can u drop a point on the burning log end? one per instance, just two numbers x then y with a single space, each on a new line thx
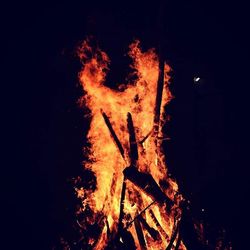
147 183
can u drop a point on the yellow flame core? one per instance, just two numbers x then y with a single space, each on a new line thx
138 98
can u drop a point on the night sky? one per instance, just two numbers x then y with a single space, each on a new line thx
44 128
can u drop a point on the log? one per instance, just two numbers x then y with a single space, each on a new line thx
147 184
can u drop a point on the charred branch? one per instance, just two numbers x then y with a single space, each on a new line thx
158 225
121 216
132 141
143 211
173 237
147 183
160 85
160 82
113 134
154 234
146 137
140 235
178 243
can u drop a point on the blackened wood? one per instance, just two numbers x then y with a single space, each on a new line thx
132 141
173 237
140 235
161 51
146 137
154 234
158 225
121 216
143 211
160 85
113 134
147 184
178 242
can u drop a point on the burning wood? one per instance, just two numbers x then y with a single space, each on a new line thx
159 227
121 215
113 134
108 229
158 101
178 242
140 235
173 237
132 141
154 233
121 190
146 137
146 183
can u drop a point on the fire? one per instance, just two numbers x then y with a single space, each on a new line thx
134 201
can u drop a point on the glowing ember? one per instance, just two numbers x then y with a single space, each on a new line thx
134 204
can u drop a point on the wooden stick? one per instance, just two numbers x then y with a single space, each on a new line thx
146 137
178 242
121 216
148 185
113 134
132 141
160 84
143 211
154 234
161 230
140 235
175 232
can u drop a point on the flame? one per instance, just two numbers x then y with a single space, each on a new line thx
102 204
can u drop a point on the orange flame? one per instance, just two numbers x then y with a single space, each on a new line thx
107 163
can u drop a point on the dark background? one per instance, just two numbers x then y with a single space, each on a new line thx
44 128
